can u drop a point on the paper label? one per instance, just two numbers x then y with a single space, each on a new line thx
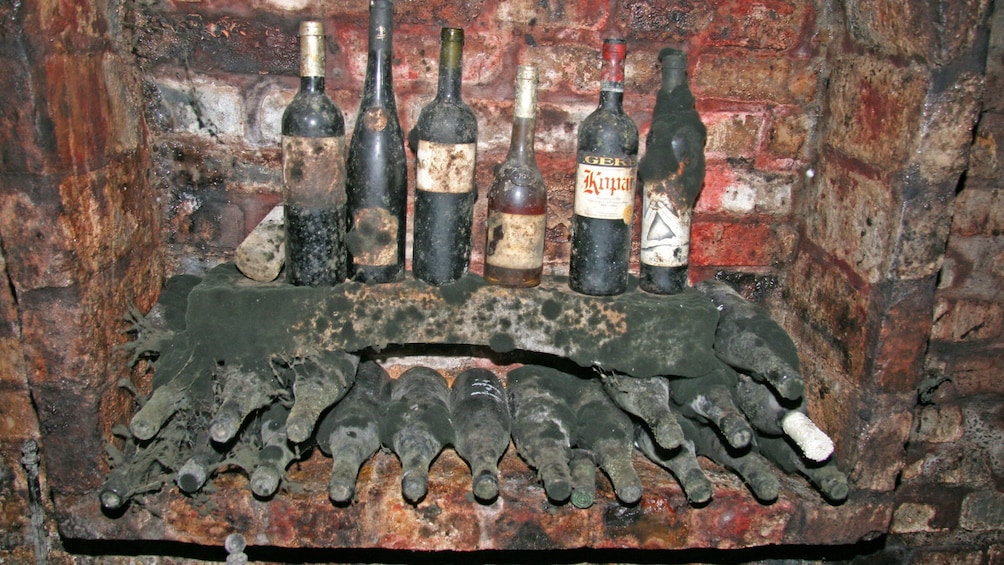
515 241
445 167
604 188
665 226
313 170
378 247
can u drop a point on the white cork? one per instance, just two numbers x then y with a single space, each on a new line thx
261 255
813 442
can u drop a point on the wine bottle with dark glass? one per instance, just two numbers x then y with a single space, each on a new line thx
517 199
672 174
376 181
313 173
606 169
447 133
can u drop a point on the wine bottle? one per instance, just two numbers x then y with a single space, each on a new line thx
826 477
242 392
671 173
648 399
749 339
276 454
709 399
320 381
481 421
681 463
376 181
313 173
543 425
204 459
607 432
582 467
607 160
350 432
749 465
770 418
416 425
447 134
517 199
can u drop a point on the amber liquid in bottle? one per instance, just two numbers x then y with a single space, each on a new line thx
606 170
313 173
444 174
376 176
517 199
672 174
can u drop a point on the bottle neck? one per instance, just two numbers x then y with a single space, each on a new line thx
450 70
379 84
524 119
612 75
672 78
312 84
521 143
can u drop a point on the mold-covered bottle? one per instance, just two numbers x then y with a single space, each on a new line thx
350 431
376 181
709 399
517 199
672 174
754 470
770 418
680 462
447 134
606 170
276 452
416 426
648 399
608 433
313 173
481 423
319 381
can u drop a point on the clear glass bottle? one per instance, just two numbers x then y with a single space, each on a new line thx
672 174
376 176
517 199
606 170
313 173
444 174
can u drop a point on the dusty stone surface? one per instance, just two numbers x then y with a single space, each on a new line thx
262 253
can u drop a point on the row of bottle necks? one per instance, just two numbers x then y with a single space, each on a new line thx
345 206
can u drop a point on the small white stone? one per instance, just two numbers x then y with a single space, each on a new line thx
261 255
813 442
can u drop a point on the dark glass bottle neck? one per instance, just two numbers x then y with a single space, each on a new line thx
312 84
379 85
673 78
450 71
611 100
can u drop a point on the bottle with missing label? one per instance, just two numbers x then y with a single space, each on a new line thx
517 199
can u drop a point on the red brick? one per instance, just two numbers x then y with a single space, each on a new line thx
77 95
732 134
902 311
18 421
788 134
777 24
967 320
740 244
978 211
665 20
781 80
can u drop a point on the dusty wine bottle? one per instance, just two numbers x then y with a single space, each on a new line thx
543 425
517 199
749 339
755 470
826 477
648 399
672 174
583 469
444 174
320 381
709 399
608 433
416 425
607 159
350 431
769 417
276 454
681 463
313 173
376 181
481 423
243 391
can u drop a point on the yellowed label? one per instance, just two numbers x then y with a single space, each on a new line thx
376 229
605 191
445 167
313 170
515 241
665 226
375 119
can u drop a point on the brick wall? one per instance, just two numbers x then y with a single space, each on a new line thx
854 166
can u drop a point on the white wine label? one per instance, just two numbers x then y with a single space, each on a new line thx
515 241
665 227
445 167
376 230
604 188
313 170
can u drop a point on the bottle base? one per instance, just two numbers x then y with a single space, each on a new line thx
376 275
515 278
663 280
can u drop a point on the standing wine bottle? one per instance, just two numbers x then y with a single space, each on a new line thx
671 173
607 160
376 181
517 199
444 174
313 173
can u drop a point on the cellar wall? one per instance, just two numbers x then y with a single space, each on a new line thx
853 185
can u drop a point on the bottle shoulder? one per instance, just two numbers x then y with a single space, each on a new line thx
312 114
445 121
608 132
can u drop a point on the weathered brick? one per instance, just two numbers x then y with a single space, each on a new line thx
781 80
744 191
777 24
973 370
937 31
740 244
456 13
978 212
947 557
957 465
38 251
204 106
77 94
18 421
947 130
732 134
874 110
937 424
967 320
853 217
912 517
901 310
974 267
982 511
788 134
24 139
665 20
881 447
